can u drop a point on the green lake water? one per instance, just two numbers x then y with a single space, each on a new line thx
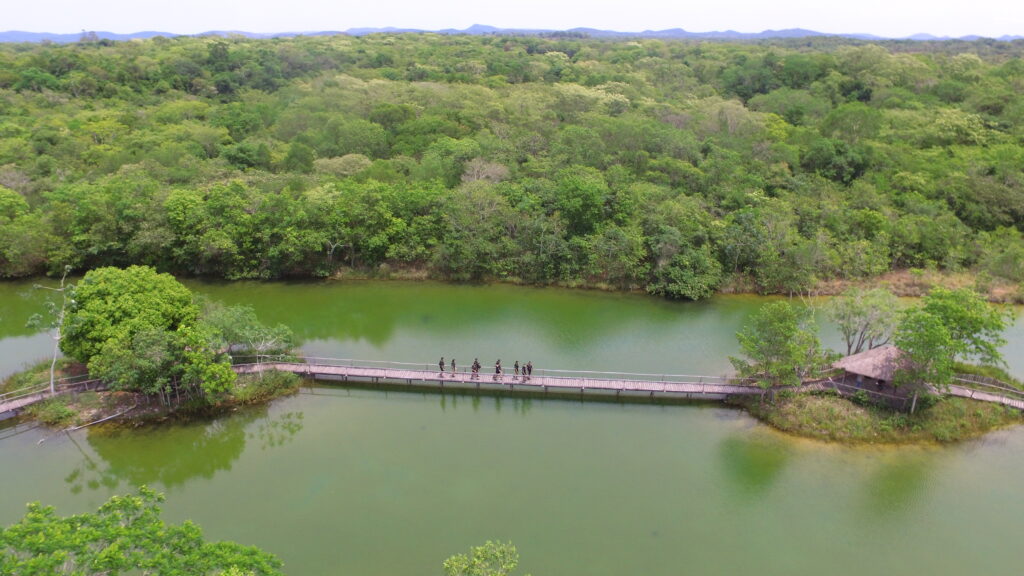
354 481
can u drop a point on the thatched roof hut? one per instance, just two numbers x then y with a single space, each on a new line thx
878 363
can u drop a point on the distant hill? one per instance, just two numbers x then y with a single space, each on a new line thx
481 29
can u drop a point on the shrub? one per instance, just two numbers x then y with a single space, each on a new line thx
260 388
52 412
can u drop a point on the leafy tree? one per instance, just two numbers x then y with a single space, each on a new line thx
866 318
973 324
780 344
139 330
477 232
115 304
491 559
693 274
950 325
928 349
125 536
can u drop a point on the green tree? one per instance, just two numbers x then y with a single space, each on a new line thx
115 304
975 326
125 536
491 559
927 347
780 344
950 325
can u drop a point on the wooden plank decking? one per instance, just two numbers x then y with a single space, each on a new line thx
12 402
607 382
542 381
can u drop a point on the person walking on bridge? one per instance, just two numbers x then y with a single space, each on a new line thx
516 367
528 369
497 369
453 367
440 366
476 368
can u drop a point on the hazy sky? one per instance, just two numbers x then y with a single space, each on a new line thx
882 17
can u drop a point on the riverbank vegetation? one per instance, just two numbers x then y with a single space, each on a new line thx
827 416
949 332
678 167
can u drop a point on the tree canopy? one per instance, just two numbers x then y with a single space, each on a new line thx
780 344
948 326
671 166
124 536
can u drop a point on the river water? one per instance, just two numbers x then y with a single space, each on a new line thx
355 481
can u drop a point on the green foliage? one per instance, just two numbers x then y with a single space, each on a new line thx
974 325
950 325
113 305
781 346
490 559
253 389
125 536
644 163
140 331
830 417
928 349
692 274
52 411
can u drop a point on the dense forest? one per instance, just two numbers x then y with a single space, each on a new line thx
678 167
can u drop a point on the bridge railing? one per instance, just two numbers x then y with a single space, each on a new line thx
507 370
42 388
986 384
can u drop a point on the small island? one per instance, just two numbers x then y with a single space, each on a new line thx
920 388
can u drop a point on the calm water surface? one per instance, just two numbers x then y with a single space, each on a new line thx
339 481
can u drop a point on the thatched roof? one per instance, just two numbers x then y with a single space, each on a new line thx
878 363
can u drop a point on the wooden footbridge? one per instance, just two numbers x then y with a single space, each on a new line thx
541 381
15 400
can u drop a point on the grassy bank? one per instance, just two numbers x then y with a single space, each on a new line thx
826 416
79 409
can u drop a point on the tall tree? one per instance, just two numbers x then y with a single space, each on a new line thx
950 325
866 318
780 344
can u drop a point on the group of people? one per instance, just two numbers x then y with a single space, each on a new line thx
527 369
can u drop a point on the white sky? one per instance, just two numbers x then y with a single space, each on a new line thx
893 18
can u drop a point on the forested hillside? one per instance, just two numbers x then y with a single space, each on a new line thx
678 167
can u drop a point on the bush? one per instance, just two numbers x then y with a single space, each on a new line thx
260 388
52 412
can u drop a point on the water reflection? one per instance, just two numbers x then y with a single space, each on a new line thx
479 320
173 454
753 463
278 431
897 485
